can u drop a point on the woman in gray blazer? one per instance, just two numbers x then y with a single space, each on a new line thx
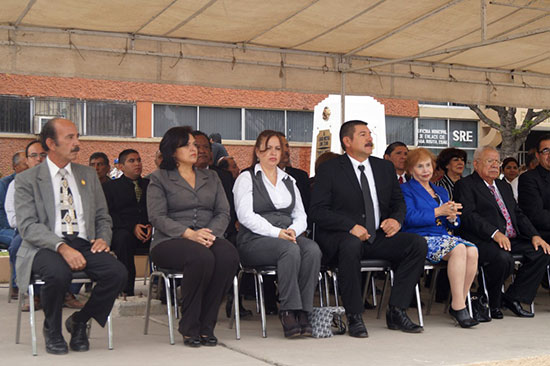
189 210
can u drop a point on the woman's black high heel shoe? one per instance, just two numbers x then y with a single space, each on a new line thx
210 341
462 317
192 341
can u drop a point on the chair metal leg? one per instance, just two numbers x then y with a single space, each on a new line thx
262 304
485 286
384 289
419 306
373 285
32 318
548 276
325 276
320 286
335 284
366 287
237 308
19 308
110 332
257 295
174 290
147 267
148 304
169 308
533 307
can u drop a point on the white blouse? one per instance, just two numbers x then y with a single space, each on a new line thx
279 195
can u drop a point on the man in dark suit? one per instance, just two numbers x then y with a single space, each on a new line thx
127 201
396 152
494 222
534 190
358 208
63 219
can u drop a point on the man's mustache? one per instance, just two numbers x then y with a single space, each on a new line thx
369 144
76 149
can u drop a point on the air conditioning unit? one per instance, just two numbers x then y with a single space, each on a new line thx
40 121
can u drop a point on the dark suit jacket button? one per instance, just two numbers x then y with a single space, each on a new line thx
363 215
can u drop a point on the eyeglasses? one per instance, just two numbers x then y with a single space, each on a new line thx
492 161
35 155
545 151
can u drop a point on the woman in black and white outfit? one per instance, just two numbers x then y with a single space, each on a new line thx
272 220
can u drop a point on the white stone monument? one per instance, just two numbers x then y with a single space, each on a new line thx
327 122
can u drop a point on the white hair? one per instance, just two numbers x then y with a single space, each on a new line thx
480 150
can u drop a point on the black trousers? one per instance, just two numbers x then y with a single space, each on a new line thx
406 252
124 244
498 265
109 275
207 275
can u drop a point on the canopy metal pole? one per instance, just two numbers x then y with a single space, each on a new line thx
343 98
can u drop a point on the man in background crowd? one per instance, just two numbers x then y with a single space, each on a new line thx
218 150
100 162
396 152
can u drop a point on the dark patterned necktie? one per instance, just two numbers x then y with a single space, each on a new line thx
369 207
69 222
138 190
401 180
510 231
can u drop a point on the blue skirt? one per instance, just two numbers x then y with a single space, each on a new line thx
440 246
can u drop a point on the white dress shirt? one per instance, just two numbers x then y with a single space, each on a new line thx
9 205
372 186
56 183
279 195
402 176
514 184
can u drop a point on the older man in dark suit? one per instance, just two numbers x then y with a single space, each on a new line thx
358 207
65 225
494 222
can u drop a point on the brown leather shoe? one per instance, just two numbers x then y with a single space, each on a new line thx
37 306
72 302
15 293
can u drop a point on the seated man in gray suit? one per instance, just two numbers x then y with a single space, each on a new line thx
63 219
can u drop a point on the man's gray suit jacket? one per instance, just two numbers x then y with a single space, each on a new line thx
35 211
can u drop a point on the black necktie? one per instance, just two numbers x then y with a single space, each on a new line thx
369 207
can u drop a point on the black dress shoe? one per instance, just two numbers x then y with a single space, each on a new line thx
463 318
243 313
192 342
209 341
496 313
515 307
397 319
79 339
306 329
55 344
356 327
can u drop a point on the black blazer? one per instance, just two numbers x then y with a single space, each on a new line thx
302 182
337 200
228 182
124 209
534 197
481 215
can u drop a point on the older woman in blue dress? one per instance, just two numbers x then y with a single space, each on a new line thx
431 214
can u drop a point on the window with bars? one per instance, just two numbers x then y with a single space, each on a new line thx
400 129
15 114
225 121
168 116
109 119
258 120
299 126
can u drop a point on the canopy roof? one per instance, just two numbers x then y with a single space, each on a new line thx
467 51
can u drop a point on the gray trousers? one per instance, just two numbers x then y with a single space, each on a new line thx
297 267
